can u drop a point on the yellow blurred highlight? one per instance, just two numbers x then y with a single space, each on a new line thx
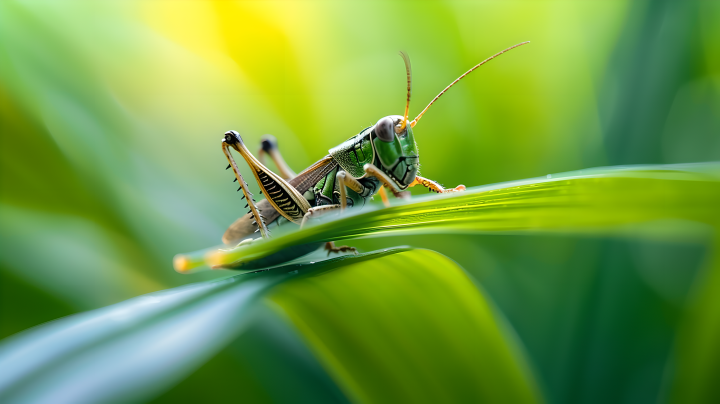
215 258
181 263
193 262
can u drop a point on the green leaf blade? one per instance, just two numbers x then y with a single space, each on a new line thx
131 350
409 327
602 202
415 318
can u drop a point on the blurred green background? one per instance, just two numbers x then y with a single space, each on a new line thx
111 116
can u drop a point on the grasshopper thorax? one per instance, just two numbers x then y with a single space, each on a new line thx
396 150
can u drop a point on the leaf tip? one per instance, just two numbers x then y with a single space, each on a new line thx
182 263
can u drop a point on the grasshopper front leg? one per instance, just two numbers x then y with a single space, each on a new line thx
374 171
434 186
392 186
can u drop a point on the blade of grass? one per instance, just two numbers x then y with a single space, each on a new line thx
411 327
394 323
603 201
135 349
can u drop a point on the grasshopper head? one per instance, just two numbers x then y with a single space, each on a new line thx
393 138
396 149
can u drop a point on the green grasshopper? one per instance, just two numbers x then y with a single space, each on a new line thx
383 155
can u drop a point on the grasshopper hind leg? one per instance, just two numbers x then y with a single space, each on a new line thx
259 220
283 196
269 146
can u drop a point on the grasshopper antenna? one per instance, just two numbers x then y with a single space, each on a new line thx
408 70
415 121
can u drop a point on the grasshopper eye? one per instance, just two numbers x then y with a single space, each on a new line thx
385 129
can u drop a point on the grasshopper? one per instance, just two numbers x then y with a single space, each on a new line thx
382 156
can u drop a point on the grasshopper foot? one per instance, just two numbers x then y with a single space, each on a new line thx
331 248
433 186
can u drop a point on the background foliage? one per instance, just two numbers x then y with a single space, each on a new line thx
111 116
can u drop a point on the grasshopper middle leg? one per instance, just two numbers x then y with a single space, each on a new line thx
428 183
329 246
318 211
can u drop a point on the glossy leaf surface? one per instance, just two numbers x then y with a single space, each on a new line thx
368 326
599 201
